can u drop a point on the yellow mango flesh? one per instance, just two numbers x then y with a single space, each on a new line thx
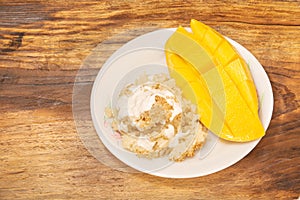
192 84
224 54
224 108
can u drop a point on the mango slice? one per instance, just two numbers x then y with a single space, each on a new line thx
214 77
224 54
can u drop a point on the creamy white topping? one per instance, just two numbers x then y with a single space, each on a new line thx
169 131
145 144
143 98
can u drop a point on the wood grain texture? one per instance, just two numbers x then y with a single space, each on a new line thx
42 45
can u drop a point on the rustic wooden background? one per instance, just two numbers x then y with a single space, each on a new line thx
42 45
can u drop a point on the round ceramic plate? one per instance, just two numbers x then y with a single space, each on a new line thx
145 54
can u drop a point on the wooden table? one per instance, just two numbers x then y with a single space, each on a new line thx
43 44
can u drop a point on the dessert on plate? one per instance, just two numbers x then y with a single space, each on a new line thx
154 120
211 87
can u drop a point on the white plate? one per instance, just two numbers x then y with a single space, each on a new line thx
145 54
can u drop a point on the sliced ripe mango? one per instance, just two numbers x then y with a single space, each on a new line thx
213 75
224 54
193 84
